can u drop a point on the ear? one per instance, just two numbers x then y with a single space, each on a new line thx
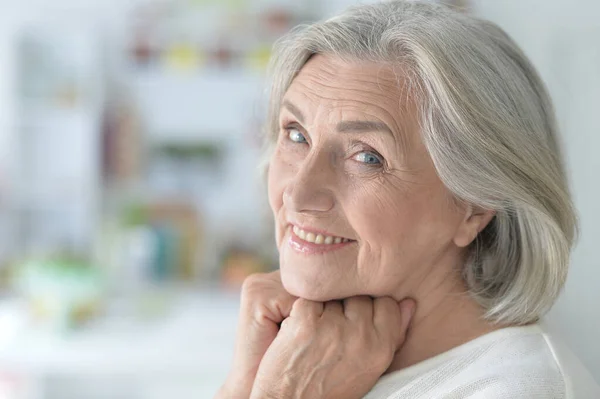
473 223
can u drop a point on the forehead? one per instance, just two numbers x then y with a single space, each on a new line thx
329 89
327 79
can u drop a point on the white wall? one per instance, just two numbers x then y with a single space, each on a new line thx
562 39
8 18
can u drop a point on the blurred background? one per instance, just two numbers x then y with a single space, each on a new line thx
131 204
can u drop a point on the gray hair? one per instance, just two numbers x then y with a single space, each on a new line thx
489 127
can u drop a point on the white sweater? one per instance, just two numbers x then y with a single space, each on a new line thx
510 363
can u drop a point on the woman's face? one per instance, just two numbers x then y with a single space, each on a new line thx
349 166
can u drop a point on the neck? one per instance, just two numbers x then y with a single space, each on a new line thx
445 317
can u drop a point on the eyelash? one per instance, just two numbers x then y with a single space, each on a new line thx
289 128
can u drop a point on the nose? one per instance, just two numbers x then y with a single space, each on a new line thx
310 189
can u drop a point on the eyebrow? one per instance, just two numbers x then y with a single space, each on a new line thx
363 126
294 110
351 126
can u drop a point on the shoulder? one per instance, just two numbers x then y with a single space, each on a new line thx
514 362
517 364
578 380
534 366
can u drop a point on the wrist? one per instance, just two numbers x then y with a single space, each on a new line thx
260 394
234 388
259 391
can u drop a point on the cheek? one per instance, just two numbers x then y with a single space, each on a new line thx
383 221
273 188
402 227
276 181
279 174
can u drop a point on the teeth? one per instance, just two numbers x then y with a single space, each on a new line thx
318 238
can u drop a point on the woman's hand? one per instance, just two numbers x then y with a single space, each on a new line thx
337 349
264 305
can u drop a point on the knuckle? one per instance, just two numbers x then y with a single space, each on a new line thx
377 355
382 358
363 298
253 298
287 323
252 282
388 313
385 302
358 300
352 300
336 330
302 304
260 312
302 332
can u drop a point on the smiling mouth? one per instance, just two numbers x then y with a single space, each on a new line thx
309 242
318 238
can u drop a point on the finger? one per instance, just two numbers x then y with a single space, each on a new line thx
407 309
264 299
285 323
391 320
305 309
283 300
333 309
359 308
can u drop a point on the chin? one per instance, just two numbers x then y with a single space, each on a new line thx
309 287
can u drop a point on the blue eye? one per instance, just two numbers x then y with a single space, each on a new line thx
368 158
296 136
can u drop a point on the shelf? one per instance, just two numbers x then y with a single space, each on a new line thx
211 105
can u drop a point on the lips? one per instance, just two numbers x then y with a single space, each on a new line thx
318 238
312 242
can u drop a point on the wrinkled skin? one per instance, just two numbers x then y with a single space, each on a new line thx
349 343
349 161
337 349
402 218
264 305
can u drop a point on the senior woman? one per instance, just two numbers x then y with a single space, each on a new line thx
422 215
